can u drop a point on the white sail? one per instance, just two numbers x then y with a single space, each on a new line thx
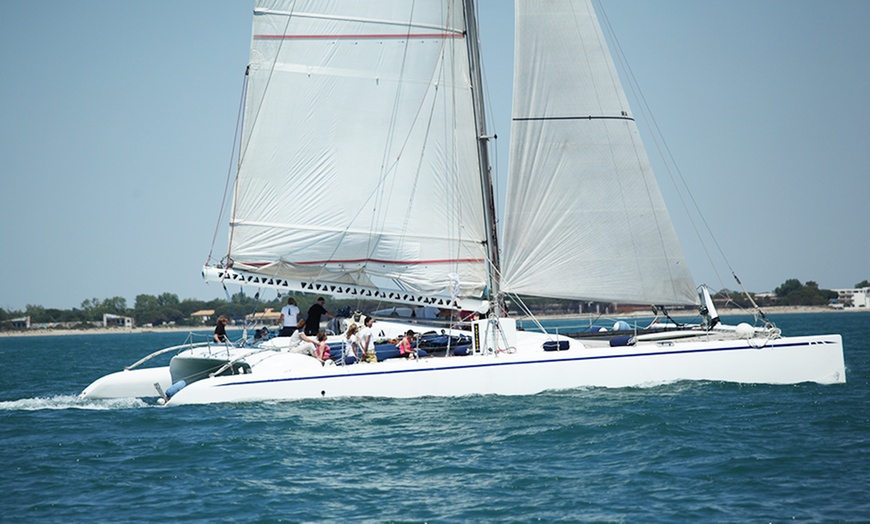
358 162
584 217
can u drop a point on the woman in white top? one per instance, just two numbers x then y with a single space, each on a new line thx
351 342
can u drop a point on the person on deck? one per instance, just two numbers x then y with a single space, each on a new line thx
322 351
367 340
351 343
312 325
300 343
220 330
289 318
406 346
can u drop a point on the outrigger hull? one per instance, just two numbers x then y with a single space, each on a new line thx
137 383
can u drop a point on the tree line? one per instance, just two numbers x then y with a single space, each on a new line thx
791 293
167 308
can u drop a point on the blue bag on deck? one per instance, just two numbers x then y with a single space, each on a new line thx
557 345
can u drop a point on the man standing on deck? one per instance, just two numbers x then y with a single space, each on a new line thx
289 318
312 325
367 340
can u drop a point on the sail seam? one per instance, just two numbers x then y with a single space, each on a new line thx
372 36
378 261
585 117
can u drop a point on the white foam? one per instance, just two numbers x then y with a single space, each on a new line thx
70 402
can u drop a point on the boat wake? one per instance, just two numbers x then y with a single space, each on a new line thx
71 402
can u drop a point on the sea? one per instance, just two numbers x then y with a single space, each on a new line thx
679 452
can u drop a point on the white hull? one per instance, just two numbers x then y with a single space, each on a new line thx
283 376
137 383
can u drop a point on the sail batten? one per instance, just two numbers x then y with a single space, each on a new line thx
584 217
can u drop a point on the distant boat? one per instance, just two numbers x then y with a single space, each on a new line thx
364 173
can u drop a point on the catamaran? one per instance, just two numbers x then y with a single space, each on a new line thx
364 172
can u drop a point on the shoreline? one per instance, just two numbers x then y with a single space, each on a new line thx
103 331
772 310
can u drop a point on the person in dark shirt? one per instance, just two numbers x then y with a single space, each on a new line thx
312 325
220 330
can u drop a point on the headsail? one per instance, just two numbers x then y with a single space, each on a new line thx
359 163
584 216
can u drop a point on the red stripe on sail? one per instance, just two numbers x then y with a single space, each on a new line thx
359 37
396 262
380 261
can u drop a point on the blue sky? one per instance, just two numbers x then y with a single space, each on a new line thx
117 120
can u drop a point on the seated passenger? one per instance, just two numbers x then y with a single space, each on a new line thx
322 350
299 341
261 334
406 346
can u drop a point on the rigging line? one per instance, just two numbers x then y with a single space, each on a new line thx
236 137
372 21
437 71
521 305
495 176
621 184
244 148
450 113
658 138
647 177
490 116
376 192
461 230
377 217
391 129
483 167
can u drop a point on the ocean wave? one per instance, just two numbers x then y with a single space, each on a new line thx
70 402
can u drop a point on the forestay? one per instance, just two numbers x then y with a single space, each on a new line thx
584 216
358 162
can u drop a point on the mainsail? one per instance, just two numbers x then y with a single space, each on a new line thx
359 161
584 216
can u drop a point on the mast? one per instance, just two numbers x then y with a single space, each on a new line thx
491 225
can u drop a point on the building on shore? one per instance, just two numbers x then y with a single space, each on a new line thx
203 315
117 321
20 323
853 298
269 317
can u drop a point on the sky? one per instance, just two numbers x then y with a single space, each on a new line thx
117 123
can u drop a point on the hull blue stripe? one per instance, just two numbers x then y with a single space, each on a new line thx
525 362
